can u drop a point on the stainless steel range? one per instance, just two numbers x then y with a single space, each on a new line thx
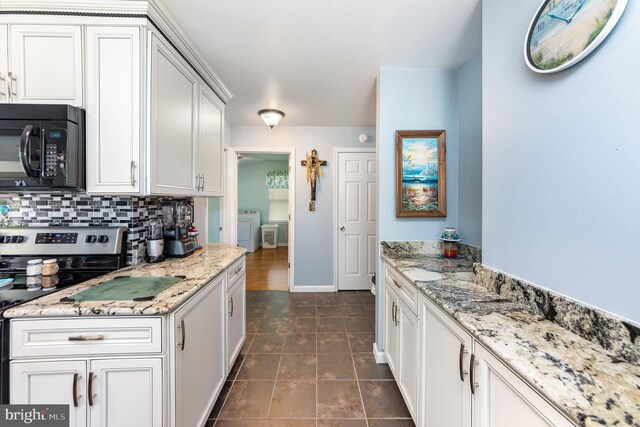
81 253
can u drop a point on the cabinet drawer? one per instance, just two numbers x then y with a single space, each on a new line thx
82 336
235 270
405 290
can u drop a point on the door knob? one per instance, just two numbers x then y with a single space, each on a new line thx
342 228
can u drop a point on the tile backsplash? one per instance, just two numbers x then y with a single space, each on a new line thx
77 210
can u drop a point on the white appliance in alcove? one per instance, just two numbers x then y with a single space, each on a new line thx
249 230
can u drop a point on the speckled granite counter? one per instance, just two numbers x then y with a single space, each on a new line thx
593 386
199 269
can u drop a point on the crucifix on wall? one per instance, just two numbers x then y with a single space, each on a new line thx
314 171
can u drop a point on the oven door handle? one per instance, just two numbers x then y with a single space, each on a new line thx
25 151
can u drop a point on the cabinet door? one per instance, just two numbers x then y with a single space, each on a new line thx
235 320
407 368
113 110
52 383
199 363
502 399
126 392
173 122
4 64
46 61
445 395
210 137
390 329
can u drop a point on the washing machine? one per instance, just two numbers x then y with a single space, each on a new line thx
249 230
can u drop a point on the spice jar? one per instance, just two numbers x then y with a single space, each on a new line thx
450 249
34 267
50 267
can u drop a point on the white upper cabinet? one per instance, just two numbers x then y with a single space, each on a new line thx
210 137
173 137
4 63
45 62
113 109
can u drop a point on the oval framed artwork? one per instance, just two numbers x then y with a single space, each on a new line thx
564 32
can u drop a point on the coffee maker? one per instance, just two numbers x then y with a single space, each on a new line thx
178 217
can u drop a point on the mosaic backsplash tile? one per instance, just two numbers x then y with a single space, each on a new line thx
617 335
77 210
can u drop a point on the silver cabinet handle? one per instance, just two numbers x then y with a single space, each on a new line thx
231 315
87 338
133 173
12 80
397 284
461 362
74 389
237 270
342 228
472 384
184 334
90 389
393 312
202 187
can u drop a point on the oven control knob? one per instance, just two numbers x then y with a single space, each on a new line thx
103 239
90 239
17 239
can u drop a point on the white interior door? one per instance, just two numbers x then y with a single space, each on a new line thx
356 219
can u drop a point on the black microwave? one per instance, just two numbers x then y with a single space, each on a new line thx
42 148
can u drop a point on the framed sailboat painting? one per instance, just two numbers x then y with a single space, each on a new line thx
421 190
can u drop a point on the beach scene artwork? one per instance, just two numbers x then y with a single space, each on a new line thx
420 174
566 28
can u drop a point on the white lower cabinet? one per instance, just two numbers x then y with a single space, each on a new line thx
446 377
199 364
236 327
503 400
62 382
401 346
110 393
445 393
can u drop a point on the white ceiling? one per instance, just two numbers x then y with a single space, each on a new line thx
317 60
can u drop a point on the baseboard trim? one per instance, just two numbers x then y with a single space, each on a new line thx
324 288
379 355
283 244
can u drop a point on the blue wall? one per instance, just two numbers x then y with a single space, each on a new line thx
413 99
252 192
561 156
313 230
469 78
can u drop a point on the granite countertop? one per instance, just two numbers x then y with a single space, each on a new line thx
591 385
199 269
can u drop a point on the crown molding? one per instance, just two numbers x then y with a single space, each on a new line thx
155 10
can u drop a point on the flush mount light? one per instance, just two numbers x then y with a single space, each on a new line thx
271 117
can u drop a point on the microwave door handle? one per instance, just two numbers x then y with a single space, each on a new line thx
25 151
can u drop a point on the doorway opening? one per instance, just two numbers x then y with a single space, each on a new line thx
264 225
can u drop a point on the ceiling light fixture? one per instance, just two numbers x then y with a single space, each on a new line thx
271 117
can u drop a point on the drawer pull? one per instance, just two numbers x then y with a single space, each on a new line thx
237 270
397 284
231 315
90 389
87 338
74 391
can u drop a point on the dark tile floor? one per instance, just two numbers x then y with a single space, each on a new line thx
308 361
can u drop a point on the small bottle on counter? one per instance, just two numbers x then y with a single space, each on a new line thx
50 267
34 267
